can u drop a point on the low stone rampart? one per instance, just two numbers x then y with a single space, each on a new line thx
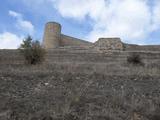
71 41
130 47
109 44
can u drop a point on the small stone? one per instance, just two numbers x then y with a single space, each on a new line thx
46 84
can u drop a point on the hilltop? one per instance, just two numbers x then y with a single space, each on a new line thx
73 84
80 80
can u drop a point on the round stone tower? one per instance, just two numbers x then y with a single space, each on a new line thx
52 35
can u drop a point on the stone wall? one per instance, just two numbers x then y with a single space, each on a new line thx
10 57
129 47
109 44
72 55
54 39
71 41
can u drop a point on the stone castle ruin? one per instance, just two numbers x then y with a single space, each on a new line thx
53 38
80 80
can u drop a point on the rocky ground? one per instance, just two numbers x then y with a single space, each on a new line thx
55 92
80 86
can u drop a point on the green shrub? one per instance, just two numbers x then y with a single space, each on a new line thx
135 59
32 51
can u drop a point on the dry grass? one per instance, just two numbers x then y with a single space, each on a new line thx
82 90
83 68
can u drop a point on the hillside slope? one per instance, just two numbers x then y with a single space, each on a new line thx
74 85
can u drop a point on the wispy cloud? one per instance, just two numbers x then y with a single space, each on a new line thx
22 24
12 41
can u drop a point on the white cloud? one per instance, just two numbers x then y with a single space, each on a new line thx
14 14
78 8
22 24
9 40
132 20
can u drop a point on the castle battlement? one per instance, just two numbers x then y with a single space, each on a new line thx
53 38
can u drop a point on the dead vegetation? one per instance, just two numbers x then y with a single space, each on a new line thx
80 91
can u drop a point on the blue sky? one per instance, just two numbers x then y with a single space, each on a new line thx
134 21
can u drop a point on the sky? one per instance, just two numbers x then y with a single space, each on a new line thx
134 21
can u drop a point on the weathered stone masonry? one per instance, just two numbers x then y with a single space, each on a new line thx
53 38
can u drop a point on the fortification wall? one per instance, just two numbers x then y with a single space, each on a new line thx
54 39
10 57
71 41
129 47
109 44
74 56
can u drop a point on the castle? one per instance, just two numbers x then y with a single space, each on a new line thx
80 80
53 39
